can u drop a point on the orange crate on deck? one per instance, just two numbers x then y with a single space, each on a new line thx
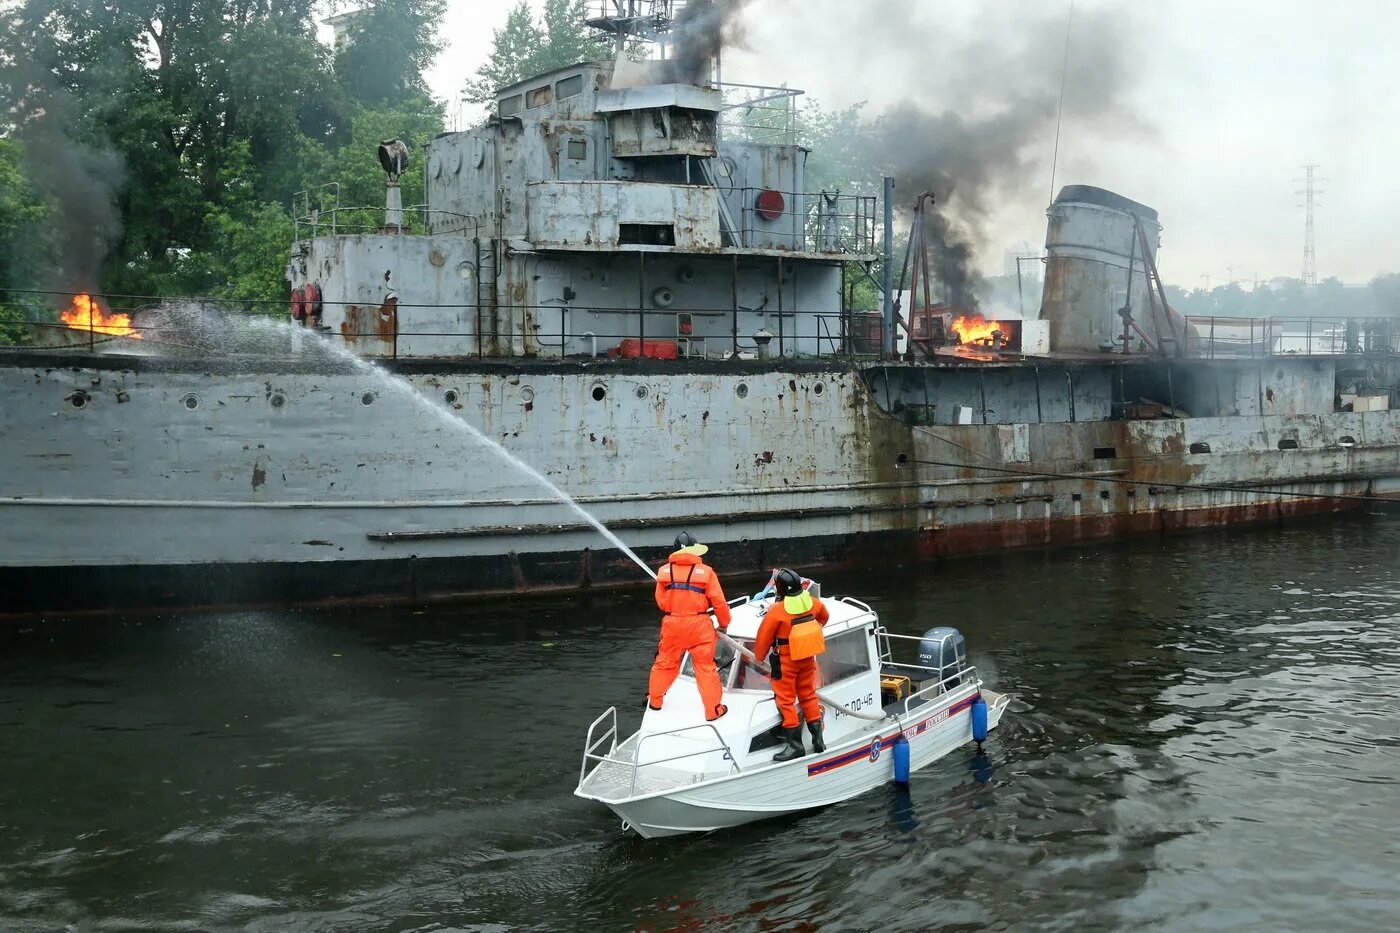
631 348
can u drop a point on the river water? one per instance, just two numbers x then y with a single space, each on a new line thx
1204 736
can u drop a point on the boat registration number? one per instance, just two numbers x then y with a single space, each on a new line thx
856 704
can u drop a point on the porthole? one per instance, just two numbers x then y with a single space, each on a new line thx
527 394
450 396
818 389
1346 440
599 393
1288 443
190 401
367 399
78 399
277 400
465 270
1200 447
901 460
742 390
642 392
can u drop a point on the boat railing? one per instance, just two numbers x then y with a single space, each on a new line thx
590 745
637 764
851 600
886 639
968 675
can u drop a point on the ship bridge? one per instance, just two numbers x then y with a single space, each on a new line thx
617 156
623 207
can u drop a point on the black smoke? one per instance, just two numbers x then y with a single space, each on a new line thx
983 134
76 172
700 32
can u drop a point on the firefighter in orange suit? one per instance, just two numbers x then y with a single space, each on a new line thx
686 589
794 679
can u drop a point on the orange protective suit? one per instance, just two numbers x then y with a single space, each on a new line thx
798 683
686 589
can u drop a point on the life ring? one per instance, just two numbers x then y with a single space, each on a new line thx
311 297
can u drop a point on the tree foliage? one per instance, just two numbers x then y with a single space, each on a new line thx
527 46
172 134
1290 299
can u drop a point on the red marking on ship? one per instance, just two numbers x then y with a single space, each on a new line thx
863 752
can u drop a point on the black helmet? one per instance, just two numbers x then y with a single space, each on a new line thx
787 583
685 541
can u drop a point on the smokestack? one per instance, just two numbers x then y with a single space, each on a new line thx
1097 268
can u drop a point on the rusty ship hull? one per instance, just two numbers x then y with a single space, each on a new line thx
197 483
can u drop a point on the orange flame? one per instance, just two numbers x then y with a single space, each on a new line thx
971 328
84 313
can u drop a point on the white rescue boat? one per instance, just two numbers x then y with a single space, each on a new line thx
680 774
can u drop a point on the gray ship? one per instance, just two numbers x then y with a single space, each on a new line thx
645 304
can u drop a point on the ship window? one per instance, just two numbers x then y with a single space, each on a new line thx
846 655
509 106
577 149
1105 453
1346 440
569 87
1288 443
646 234
1200 447
540 97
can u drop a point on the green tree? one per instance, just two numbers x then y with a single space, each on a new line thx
389 44
1385 295
838 161
172 133
525 46
26 246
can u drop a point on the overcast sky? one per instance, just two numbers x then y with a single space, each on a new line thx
1228 99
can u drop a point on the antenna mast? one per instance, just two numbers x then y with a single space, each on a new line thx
645 20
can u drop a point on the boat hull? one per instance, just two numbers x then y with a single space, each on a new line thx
816 780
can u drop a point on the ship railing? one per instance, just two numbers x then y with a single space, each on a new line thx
806 221
1227 337
388 326
419 218
759 113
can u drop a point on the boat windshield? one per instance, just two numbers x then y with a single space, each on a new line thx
724 661
740 676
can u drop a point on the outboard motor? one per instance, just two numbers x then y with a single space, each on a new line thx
943 650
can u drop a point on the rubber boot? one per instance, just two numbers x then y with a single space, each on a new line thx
793 737
818 744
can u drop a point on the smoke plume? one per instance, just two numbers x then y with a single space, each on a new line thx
700 32
986 140
79 180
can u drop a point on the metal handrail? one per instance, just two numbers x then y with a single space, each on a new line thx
638 764
590 746
939 688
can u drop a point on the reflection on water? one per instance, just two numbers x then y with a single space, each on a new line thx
1202 735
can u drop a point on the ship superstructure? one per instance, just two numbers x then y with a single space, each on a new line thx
638 295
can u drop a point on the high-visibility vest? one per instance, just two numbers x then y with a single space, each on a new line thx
687 595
